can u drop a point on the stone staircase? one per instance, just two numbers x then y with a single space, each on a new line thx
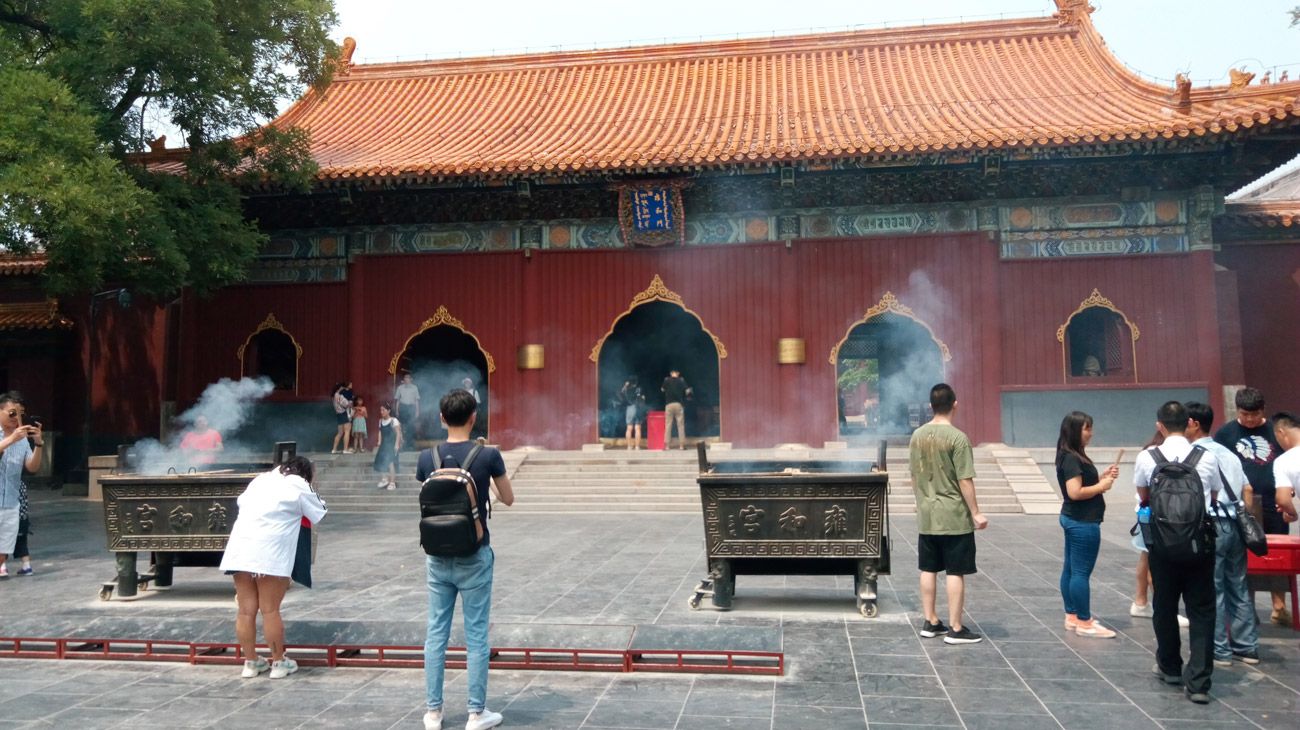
616 480
608 481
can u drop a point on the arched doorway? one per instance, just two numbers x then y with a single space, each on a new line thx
656 335
441 356
884 369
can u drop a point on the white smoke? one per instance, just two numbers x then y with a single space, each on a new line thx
226 405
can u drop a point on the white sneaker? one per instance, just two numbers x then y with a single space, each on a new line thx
391 486
254 667
283 668
433 720
382 483
1140 611
483 720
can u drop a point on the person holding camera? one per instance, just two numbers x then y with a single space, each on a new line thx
20 450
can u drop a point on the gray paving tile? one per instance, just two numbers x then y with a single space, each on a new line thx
981 721
820 694
634 714
1089 716
980 677
908 710
1076 690
1041 668
699 722
727 702
890 664
804 717
995 701
36 705
895 685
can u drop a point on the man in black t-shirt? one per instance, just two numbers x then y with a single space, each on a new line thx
675 392
470 577
1251 438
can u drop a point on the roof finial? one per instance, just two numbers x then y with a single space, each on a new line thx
157 145
345 55
1073 12
1239 79
1183 92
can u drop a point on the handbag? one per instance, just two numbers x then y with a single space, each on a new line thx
1251 532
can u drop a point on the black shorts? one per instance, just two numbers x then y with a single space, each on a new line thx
342 418
951 554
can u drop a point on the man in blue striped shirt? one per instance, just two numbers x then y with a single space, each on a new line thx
1236 627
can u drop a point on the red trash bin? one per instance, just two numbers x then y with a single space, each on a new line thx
654 430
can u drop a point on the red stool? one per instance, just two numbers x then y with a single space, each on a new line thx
1283 560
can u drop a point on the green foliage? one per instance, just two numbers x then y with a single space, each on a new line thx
82 79
856 372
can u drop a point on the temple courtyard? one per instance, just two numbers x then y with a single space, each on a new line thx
583 581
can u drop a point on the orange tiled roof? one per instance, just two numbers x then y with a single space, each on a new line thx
33 316
1274 214
19 265
1013 84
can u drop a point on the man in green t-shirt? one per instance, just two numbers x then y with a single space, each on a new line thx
947 515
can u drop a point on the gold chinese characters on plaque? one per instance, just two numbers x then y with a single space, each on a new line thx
791 351
532 357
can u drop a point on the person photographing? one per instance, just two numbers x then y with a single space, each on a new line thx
21 448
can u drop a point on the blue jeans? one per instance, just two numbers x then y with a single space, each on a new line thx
1082 541
472 578
1236 628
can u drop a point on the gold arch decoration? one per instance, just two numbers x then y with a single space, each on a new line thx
271 323
439 318
657 292
1095 299
889 304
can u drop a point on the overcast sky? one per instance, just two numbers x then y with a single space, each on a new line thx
1157 37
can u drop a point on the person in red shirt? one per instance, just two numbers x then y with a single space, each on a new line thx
202 442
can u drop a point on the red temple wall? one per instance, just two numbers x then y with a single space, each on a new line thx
315 315
746 295
1268 286
1159 294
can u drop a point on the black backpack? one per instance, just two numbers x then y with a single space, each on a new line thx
449 509
1180 530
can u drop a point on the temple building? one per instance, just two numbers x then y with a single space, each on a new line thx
814 229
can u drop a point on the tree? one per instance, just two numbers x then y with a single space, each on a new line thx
83 89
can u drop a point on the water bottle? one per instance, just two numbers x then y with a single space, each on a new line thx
1144 515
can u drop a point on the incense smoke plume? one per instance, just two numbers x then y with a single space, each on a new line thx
227 405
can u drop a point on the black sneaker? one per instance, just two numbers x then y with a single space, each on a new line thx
931 630
1199 698
1246 657
964 636
1166 678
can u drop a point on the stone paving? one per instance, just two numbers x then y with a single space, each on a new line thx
565 575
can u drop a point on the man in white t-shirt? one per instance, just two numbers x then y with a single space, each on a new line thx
1286 468
407 401
1192 582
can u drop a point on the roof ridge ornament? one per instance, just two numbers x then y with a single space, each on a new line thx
345 55
1240 79
1183 92
1073 12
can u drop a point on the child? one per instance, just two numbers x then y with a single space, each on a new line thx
359 424
390 443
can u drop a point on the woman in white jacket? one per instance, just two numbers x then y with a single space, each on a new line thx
260 554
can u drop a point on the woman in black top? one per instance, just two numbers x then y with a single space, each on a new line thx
1081 515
